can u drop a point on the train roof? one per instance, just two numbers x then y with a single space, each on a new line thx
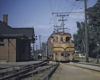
59 33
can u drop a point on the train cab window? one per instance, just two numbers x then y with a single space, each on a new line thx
56 53
55 39
62 54
67 39
61 39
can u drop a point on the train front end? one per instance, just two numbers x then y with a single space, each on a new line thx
63 48
63 52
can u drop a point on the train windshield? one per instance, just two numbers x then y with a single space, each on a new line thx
55 39
65 40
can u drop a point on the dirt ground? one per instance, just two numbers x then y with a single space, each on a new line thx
68 72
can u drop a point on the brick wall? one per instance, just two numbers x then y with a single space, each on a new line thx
8 50
15 50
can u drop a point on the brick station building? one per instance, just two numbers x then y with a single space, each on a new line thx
15 42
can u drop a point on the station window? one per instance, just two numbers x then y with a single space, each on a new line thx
1 41
55 39
67 39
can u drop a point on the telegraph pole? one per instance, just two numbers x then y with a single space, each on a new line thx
8 51
86 31
40 42
36 47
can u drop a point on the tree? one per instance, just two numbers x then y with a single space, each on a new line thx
94 28
93 31
79 37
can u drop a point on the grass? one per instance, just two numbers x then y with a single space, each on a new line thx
91 60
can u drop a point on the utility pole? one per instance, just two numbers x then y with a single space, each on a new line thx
62 20
33 43
36 47
40 42
8 51
86 31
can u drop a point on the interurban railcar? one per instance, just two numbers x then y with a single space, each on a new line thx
60 47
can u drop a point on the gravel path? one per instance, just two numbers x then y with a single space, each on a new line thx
68 72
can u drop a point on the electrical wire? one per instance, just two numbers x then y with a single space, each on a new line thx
50 5
55 4
70 9
62 5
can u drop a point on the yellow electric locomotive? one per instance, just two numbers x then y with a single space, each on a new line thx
60 47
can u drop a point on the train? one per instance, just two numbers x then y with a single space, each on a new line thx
60 47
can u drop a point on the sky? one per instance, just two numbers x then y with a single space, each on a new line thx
38 14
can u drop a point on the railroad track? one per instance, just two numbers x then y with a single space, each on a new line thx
42 73
13 72
70 72
31 71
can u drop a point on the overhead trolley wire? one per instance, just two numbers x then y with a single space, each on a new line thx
50 5
63 5
71 2
52 11
69 9
55 4
73 5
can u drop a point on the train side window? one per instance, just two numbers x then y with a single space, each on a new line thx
62 54
55 39
67 39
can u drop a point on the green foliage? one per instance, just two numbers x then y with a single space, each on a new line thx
79 37
93 31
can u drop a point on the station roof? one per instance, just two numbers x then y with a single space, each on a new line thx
29 32
6 30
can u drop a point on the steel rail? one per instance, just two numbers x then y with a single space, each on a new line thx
16 68
47 77
25 70
33 73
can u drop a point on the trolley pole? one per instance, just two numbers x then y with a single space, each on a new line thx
86 31
62 20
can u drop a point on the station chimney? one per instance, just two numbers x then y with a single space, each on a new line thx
5 18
